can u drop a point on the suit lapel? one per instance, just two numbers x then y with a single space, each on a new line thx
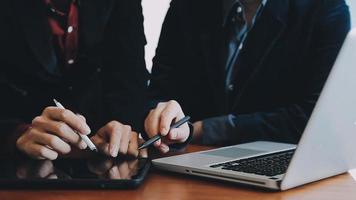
210 38
32 15
261 40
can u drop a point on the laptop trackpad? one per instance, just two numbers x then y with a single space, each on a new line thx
233 152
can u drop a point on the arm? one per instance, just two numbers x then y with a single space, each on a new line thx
287 123
10 122
124 73
166 63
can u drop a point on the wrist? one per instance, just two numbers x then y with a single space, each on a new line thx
197 131
11 146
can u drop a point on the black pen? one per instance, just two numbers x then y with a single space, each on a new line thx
157 137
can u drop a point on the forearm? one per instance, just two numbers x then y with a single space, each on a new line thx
282 125
124 74
10 130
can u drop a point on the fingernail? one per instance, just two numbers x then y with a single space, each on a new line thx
157 144
144 154
88 131
83 145
113 151
164 131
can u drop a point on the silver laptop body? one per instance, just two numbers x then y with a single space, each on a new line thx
327 147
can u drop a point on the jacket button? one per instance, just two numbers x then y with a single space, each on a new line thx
239 10
230 87
70 88
70 61
98 69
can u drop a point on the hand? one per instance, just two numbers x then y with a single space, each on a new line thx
115 138
51 134
159 121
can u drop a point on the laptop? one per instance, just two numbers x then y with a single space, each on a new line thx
326 148
95 172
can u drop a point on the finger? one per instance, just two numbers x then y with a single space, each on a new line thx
114 173
50 140
179 134
125 139
157 143
60 129
133 164
41 152
46 168
143 153
82 117
133 167
133 145
103 145
67 117
113 132
170 113
52 176
81 144
163 148
124 171
152 120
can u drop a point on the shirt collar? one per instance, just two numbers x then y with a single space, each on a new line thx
228 4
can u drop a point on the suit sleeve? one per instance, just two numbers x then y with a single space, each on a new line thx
10 121
286 124
124 75
166 61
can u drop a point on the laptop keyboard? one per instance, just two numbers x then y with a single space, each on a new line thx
267 165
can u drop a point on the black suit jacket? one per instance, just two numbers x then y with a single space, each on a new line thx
108 83
280 71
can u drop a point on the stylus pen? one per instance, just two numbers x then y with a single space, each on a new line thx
157 137
84 137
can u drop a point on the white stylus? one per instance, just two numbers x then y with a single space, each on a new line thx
84 137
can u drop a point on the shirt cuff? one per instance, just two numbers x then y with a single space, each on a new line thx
218 130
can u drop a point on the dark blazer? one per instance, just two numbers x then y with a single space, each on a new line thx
108 83
280 71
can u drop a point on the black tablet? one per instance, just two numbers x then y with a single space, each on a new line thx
73 173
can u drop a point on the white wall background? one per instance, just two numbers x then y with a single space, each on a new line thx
352 4
154 14
155 11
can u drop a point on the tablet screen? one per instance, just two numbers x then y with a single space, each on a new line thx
100 170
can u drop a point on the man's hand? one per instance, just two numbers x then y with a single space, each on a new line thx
159 121
115 138
53 133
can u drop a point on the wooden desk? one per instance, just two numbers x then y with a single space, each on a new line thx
169 186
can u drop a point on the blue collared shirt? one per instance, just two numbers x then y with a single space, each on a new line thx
220 129
237 31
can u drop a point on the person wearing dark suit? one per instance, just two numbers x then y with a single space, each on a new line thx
244 70
87 54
